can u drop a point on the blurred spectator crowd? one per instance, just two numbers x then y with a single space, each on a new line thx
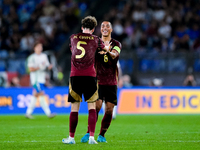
156 26
49 21
146 27
22 22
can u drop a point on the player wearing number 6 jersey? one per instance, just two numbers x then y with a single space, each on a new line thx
107 76
83 76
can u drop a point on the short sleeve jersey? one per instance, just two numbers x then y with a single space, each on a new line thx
83 48
41 61
107 70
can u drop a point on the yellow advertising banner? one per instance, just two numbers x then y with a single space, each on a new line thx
159 101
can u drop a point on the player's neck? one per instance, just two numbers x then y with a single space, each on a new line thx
37 53
88 31
104 38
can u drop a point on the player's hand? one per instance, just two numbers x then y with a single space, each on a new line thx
32 69
107 45
102 52
50 66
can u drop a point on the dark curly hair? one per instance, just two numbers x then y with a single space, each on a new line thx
36 43
89 22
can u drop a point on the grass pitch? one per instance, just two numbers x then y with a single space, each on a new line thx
125 133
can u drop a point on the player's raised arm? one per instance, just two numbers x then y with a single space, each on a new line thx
105 47
114 53
106 29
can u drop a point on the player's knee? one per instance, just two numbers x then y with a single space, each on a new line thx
109 111
98 105
41 93
98 108
36 95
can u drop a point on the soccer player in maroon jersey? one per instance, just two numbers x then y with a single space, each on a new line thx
107 76
83 76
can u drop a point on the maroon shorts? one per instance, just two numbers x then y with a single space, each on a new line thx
108 93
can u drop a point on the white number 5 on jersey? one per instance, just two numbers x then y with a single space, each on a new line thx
81 48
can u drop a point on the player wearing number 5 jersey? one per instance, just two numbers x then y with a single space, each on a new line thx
83 76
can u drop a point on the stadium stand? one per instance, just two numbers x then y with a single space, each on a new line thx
25 21
161 36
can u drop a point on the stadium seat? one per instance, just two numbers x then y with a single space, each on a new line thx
126 66
25 80
145 65
158 65
177 65
4 54
11 75
2 65
17 65
197 65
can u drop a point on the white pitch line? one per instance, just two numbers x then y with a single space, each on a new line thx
29 141
41 126
157 133
122 141
109 134
152 141
189 132
43 135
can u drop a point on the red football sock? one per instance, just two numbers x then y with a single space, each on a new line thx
105 123
88 129
97 112
92 121
73 121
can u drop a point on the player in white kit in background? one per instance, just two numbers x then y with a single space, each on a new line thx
38 64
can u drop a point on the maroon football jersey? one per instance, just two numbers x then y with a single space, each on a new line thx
107 70
83 47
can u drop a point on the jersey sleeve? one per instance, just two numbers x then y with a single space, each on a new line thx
70 45
118 47
70 41
30 62
45 65
47 61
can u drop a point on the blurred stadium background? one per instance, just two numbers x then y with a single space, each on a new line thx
160 45
160 56
160 38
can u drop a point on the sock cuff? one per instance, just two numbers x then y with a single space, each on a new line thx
73 113
108 115
92 110
71 137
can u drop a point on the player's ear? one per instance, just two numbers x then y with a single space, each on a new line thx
92 30
111 29
81 28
